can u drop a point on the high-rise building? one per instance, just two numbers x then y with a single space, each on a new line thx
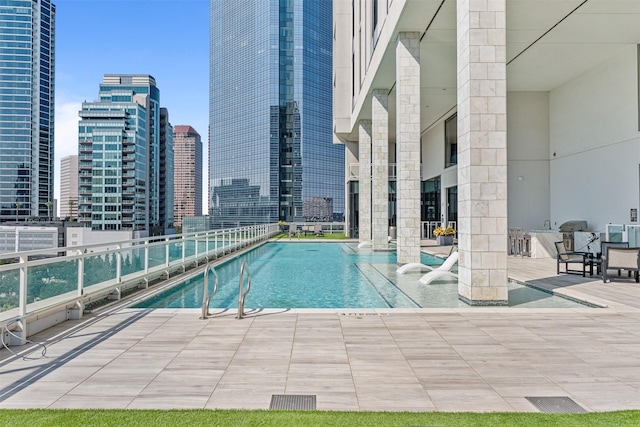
68 185
27 42
270 145
166 192
187 147
120 164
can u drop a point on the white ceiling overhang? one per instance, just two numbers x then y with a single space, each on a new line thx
549 42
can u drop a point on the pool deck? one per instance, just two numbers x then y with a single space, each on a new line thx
453 359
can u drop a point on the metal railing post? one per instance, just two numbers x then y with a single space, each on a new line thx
166 250
241 293
206 299
118 263
146 258
23 285
80 274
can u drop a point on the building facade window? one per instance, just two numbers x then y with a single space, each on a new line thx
452 204
430 200
353 187
451 141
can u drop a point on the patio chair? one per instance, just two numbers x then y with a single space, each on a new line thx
442 271
293 230
519 242
617 258
569 257
603 250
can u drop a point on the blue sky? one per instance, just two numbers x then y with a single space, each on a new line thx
167 39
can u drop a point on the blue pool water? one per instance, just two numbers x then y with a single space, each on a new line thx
328 275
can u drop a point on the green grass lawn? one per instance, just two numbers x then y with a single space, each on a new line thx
176 418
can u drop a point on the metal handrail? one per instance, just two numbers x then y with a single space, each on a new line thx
242 293
207 299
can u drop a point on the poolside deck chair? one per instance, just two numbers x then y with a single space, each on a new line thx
603 251
568 257
442 271
437 274
448 263
617 258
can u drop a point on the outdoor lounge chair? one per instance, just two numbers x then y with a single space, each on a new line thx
442 271
568 257
448 263
603 251
617 258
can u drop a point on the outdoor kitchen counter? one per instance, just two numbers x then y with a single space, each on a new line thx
542 243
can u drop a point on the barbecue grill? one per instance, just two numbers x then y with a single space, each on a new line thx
567 229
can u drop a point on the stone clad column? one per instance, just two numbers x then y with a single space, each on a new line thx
364 181
380 180
408 146
482 152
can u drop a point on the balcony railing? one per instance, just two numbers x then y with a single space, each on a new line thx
427 227
41 287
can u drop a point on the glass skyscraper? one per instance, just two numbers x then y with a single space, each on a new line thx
270 144
27 41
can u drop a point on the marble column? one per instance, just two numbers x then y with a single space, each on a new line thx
408 146
364 181
482 152
380 179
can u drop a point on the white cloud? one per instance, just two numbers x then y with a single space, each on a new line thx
66 137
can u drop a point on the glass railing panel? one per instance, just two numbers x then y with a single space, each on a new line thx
212 244
175 250
51 280
157 256
132 261
9 289
190 248
202 246
99 268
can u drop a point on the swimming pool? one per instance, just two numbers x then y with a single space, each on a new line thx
330 275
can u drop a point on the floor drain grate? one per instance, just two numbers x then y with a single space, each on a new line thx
556 405
297 402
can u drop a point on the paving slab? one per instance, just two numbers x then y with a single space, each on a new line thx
440 359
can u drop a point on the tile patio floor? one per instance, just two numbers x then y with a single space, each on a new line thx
466 359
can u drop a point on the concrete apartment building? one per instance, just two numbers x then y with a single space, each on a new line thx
187 177
489 113
68 185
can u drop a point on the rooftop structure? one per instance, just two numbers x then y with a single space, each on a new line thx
490 114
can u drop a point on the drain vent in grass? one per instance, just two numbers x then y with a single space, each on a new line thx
556 405
297 402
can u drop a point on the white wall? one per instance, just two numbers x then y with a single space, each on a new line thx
528 159
595 144
80 236
432 162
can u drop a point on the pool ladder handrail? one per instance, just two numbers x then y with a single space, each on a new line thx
242 293
206 299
